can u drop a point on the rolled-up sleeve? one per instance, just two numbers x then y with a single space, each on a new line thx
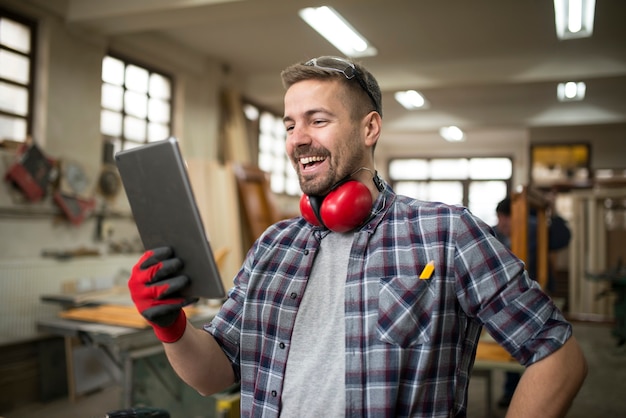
493 286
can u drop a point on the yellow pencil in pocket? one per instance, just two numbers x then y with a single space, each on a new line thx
428 270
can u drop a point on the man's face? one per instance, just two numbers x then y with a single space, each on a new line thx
324 143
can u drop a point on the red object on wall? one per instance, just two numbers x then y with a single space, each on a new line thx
31 172
74 208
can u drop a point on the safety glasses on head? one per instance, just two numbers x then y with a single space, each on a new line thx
348 69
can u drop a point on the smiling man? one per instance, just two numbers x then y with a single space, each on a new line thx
370 303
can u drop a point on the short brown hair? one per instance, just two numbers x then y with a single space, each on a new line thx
362 83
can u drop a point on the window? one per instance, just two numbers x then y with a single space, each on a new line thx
272 157
477 183
16 76
136 104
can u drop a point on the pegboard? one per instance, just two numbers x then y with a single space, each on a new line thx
23 282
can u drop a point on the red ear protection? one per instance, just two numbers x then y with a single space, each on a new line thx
343 209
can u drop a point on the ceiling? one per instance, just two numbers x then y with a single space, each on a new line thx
482 64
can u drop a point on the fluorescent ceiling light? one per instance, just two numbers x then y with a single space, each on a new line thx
332 26
571 91
411 99
574 18
452 133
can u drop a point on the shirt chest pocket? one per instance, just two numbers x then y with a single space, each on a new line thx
404 308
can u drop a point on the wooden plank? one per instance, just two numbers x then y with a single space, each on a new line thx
215 190
492 352
125 316
521 204
257 201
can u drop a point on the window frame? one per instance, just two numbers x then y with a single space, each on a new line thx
465 182
254 129
119 142
31 86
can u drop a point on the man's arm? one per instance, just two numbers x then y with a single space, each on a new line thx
200 362
548 387
155 284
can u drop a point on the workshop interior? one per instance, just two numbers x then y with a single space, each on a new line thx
482 100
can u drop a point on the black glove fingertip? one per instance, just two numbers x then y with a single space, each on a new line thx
158 254
174 286
168 268
162 315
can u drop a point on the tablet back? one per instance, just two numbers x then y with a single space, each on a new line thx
162 202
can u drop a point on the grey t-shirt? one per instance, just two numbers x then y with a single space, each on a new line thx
315 375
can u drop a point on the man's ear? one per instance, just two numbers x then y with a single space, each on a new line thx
373 125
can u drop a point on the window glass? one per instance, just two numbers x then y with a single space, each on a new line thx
272 157
265 144
292 186
159 86
415 189
13 99
15 35
266 122
110 123
136 105
409 169
12 128
136 79
265 162
278 147
113 71
484 197
490 168
477 183
16 84
14 67
112 97
158 110
450 192
449 168
135 129
158 131
277 182
131 144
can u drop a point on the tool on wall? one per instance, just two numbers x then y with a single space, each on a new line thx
109 181
31 172
74 208
71 194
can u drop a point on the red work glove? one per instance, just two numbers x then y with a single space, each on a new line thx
154 287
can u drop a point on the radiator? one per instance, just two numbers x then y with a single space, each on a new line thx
24 281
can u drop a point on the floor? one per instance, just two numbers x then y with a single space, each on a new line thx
603 394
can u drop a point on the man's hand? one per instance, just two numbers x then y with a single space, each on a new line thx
155 289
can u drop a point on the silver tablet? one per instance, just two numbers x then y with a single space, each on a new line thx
165 211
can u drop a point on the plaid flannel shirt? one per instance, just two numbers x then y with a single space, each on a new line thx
410 342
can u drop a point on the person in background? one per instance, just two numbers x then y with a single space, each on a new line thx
559 236
370 304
